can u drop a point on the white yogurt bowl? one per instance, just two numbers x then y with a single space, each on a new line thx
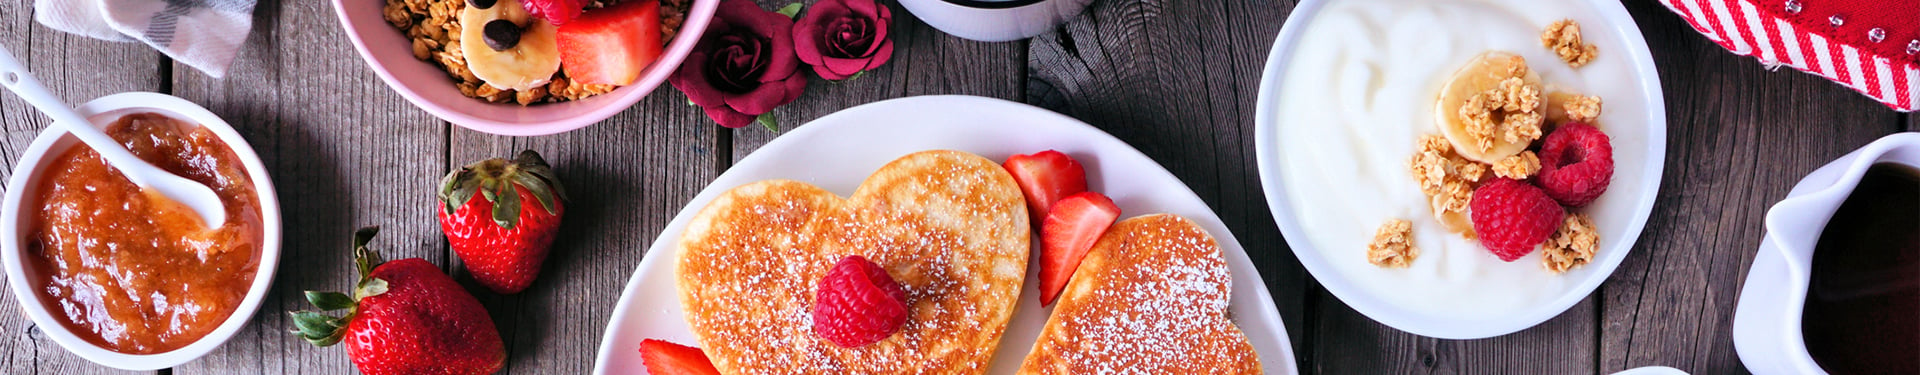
1360 77
1767 319
25 182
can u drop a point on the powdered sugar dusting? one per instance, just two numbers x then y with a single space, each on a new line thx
1151 298
950 227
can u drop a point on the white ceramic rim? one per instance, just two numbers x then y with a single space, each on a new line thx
27 168
698 16
1266 132
1246 278
1768 316
995 23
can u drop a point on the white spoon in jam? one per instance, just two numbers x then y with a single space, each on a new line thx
151 179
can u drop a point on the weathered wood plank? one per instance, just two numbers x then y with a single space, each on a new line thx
925 62
77 69
345 151
1352 343
1178 80
1738 138
626 178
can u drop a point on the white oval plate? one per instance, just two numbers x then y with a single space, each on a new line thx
838 151
1620 214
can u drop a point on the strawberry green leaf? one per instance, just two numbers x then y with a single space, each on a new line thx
457 189
538 188
329 301
363 258
506 205
370 287
317 328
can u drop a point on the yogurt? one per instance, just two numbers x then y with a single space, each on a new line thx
1360 90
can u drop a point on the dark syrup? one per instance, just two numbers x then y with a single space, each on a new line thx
1863 300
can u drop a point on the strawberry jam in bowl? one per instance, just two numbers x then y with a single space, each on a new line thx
120 275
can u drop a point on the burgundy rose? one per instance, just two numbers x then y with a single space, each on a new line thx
743 66
841 38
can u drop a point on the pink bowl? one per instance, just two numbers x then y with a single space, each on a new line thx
390 54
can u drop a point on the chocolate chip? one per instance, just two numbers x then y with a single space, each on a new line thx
481 4
502 34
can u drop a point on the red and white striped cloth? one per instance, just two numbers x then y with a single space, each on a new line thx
1871 46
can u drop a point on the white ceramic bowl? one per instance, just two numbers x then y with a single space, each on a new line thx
1766 320
995 20
25 182
1620 215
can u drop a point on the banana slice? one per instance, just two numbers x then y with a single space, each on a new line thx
522 53
1506 113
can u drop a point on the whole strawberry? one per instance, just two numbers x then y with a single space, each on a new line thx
404 317
500 217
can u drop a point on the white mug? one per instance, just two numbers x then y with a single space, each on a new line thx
995 20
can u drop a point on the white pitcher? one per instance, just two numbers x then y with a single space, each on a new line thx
1766 322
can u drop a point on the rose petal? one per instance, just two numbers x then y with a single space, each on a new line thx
727 116
841 67
691 78
767 96
881 55
809 31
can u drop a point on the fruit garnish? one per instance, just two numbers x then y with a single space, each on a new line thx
557 12
1576 164
666 358
404 317
1046 177
500 217
1512 217
611 45
857 304
1490 109
1070 230
506 47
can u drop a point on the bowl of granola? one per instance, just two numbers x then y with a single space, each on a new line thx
524 67
1445 167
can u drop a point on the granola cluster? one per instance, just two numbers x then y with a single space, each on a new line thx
1392 245
1573 245
1582 108
1448 181
1518 167
1563 37
433 26
1512 110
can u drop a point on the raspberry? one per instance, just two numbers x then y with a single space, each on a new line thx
1512 216
858 304
1576 164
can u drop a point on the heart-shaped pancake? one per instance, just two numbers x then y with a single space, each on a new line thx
950 227
1150 298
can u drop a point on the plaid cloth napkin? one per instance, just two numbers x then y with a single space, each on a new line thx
204 34
1872 46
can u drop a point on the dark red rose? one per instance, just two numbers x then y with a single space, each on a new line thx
843 37
743 66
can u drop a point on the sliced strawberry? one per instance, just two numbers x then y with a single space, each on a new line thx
1075 223
610 46
1046 177
556 12
666 358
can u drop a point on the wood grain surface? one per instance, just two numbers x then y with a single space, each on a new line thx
1174 78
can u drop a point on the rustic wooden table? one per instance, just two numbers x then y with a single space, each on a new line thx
1174 78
